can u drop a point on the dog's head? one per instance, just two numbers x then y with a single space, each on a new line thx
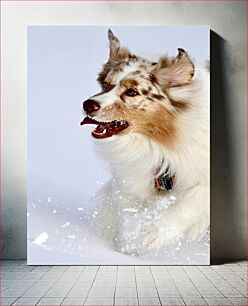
135 94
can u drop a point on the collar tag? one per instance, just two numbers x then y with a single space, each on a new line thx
165 181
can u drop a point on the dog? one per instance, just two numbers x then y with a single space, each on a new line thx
152 126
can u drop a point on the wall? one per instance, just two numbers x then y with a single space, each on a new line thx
227 20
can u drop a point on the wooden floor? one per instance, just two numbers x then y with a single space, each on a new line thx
123 285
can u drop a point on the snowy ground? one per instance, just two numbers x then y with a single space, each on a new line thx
62 231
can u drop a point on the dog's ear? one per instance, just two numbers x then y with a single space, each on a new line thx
117 55
116 52
174 72
114 44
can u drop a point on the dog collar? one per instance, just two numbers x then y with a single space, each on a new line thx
165 181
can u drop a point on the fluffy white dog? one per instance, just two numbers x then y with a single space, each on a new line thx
153 128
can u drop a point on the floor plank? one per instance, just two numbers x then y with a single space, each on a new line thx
123 285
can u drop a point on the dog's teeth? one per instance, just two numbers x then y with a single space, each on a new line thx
100 133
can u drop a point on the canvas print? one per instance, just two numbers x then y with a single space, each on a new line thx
118 145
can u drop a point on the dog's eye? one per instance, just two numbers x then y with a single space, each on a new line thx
130 92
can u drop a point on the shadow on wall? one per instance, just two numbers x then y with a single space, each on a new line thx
224 230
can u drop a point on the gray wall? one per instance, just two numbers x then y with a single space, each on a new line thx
227 20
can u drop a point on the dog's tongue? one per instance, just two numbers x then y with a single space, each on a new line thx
88 120
105 129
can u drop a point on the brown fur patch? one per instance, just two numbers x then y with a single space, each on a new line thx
122 55
150 99
157 97
179 105
132 57
122 97
107 86
136 72
126 83
173 72
118 69
153 78
164 61
157 122
105 70
144 92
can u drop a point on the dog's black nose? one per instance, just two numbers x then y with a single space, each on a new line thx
91 106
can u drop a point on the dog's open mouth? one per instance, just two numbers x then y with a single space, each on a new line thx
106 129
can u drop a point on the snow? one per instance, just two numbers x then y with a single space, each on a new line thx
85 235
130 209
41 238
